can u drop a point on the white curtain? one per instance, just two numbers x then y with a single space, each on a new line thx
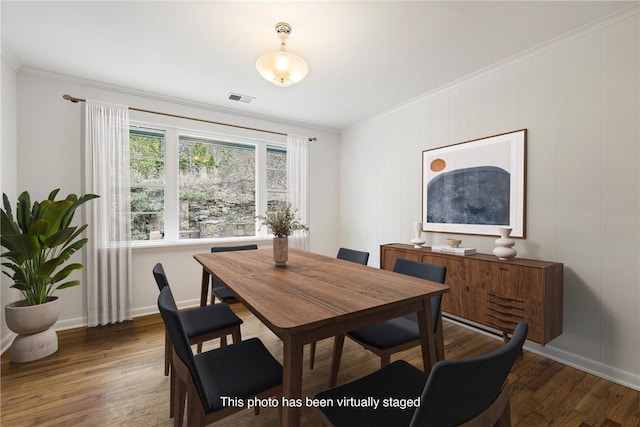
298 186
109 277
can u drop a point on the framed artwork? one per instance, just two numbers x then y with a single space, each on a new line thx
474 187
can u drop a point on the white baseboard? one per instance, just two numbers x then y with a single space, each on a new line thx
80 322
6 342
618 376
152 309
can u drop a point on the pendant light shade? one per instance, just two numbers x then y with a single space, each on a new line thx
282 68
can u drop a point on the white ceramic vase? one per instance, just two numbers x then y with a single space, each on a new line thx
504 245
417 235
280 251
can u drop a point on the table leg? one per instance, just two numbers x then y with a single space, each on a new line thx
204 291
427 335
439 340
292 382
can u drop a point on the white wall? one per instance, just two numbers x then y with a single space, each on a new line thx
8 173
49 156
579 99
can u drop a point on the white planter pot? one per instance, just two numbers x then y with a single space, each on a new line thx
33 323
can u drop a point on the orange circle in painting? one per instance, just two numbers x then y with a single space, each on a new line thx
438 164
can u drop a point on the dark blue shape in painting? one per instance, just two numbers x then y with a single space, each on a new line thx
478 195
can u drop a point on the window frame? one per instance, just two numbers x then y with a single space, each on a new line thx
146 131
274 148
171 193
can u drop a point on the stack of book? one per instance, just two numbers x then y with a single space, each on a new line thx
451 250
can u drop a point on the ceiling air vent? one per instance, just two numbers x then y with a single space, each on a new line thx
241 98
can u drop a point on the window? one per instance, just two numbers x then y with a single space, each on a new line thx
193 185
217 188
147 159
276 176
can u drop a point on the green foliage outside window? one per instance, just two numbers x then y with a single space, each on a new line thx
216 188
195 156
216 185
147 160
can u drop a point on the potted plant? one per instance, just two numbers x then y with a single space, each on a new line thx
282 223
39 241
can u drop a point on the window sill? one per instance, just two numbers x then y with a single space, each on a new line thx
208 243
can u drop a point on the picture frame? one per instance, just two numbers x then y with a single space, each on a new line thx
476 186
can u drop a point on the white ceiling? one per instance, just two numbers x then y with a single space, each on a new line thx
364 57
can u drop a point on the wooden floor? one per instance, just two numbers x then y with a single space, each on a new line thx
113 376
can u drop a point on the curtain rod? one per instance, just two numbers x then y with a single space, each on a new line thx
76 100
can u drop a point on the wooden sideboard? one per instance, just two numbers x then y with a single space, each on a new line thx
493 292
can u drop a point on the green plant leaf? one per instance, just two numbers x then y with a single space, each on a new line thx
7 225
69 250
47 268
7 207
11 266
69 284
23 211
24 245
20 287
76 202
35 210
14 256
38 227
54 214
66 271
59 238
18 274
39 208
79 231
53 194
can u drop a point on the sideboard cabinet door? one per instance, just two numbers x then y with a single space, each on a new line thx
454 301
513 294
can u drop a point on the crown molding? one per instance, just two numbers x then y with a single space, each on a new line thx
512 60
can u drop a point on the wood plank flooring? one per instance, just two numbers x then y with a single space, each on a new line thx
113 376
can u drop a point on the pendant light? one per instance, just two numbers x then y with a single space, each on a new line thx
282 68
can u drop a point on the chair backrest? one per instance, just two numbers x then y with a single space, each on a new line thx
180 341
160 276
353 256
215 283
423 270
233 248
458 390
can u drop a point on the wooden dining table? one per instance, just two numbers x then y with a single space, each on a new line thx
315 297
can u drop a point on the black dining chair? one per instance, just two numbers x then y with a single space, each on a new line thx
218 289
346 254
464 392
352 255
210 380
400 333
201 324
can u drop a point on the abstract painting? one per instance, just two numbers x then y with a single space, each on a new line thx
474 187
